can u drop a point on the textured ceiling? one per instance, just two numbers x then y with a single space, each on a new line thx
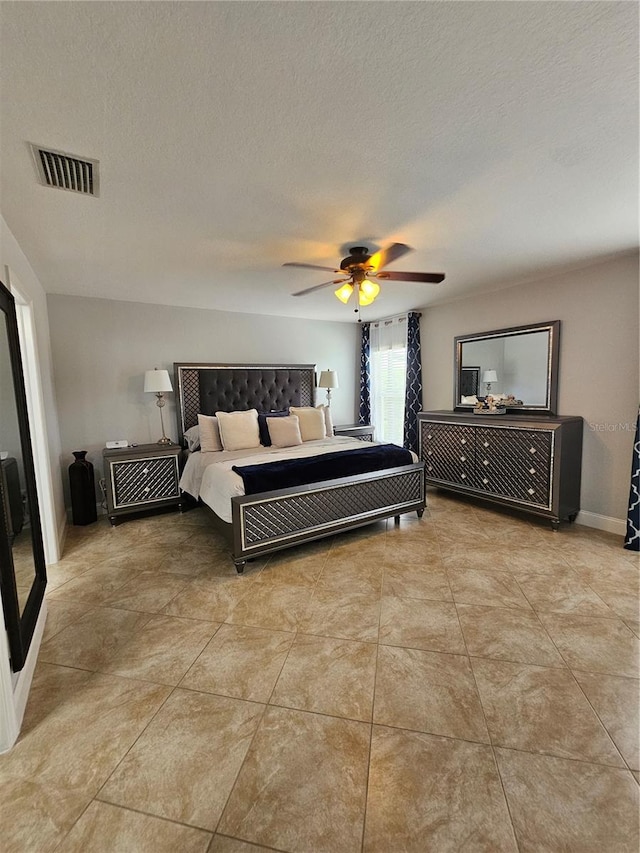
498 139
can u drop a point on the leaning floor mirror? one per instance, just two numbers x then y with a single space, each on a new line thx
22 565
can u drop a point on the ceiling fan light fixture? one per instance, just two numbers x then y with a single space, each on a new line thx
361 268
344 293
369 289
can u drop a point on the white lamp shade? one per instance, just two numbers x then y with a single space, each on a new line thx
490 376
328 379
157 381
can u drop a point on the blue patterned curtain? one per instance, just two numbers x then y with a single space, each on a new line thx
632 539
413 393
364 414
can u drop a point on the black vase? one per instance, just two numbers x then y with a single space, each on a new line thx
83 489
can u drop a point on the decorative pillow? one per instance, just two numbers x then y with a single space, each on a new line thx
311 422
239 430
285 432
192 438
210 439
328 421
264 429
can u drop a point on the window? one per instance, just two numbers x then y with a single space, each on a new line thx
388 379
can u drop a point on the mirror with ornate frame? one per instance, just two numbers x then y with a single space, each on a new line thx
520 363
23 575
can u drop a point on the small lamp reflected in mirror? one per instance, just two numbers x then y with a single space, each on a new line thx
157 382
488 377
328 379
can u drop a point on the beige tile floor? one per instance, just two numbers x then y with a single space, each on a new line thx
466 681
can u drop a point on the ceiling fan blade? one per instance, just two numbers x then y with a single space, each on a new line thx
386 256
319 286
310 267
429 277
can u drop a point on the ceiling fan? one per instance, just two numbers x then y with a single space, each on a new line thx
362 268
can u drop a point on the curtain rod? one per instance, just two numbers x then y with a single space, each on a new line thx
395 317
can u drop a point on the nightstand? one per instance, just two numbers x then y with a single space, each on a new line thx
364 433
142 478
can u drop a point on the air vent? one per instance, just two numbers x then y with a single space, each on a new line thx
66 171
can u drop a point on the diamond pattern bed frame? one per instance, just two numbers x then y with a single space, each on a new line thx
271 521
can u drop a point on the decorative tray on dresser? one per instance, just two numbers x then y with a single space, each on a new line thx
531 463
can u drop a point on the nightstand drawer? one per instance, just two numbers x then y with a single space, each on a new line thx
360 431
144 480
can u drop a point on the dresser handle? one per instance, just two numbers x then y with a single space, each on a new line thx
532 470
463 441
484 480
147 489
429 452
429 436
532 450
430 467
463 476
485 461
485 443
531 491
145 470
463 458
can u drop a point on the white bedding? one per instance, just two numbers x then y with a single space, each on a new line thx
209 476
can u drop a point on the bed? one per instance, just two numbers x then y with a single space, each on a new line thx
269 521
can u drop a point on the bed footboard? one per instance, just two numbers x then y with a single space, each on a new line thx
271 521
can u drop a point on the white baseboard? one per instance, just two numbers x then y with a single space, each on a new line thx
602 522
21 693
62 535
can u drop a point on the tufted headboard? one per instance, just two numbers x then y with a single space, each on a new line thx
209 388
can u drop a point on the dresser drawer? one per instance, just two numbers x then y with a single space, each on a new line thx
525 445
450 441
450 472
505 476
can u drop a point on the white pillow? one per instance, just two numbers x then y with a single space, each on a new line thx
328 421
209 434
239 430
311 422
284 432
192 438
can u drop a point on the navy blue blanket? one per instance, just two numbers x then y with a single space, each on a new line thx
315 469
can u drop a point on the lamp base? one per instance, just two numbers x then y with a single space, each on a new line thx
164 440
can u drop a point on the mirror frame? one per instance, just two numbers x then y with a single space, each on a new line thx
553 327
20 626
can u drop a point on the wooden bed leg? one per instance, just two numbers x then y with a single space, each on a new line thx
420 512
240 564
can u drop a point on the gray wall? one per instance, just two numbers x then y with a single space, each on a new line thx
101 349
598 375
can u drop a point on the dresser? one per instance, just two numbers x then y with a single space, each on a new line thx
529 463
142 478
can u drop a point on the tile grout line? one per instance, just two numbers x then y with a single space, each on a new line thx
486 723
373 703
